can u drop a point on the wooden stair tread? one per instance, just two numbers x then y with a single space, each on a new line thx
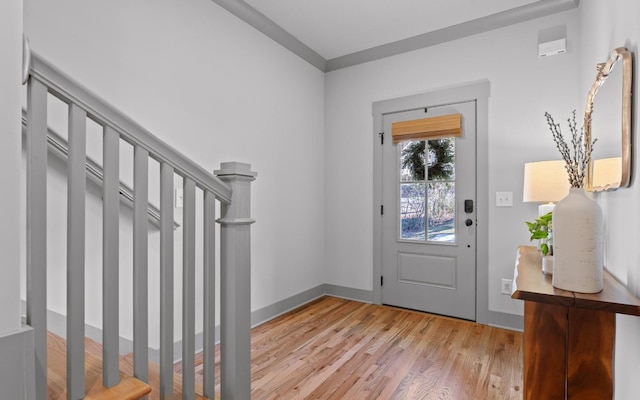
126 365
129 387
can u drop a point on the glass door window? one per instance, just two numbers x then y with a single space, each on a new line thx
427 190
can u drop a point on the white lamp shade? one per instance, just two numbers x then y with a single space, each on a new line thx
545 181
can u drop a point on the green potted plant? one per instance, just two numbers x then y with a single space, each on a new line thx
542 229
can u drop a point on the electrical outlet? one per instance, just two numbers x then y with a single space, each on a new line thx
506 287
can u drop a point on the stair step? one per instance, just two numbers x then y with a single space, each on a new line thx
154 380
129 387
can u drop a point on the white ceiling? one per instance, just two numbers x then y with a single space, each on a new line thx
334 28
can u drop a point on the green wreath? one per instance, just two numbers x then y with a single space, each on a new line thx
442 166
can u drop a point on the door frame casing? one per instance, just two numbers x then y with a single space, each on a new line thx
477 91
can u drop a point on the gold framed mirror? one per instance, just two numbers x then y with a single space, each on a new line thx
609 120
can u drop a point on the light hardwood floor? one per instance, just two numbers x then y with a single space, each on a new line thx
333 348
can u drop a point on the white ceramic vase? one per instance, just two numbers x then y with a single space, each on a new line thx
578 244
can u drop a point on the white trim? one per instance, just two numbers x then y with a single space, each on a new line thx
273 31
485 24
502 320
259 21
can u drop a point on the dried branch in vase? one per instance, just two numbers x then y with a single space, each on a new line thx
577 156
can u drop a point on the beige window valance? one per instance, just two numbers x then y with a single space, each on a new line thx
427 128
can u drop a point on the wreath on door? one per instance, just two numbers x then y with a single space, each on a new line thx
438 161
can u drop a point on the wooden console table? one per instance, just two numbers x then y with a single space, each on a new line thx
568 336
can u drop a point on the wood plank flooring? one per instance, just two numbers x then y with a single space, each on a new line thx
333 348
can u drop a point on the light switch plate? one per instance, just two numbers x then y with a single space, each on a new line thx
504 199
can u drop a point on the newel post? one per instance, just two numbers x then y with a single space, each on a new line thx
235 287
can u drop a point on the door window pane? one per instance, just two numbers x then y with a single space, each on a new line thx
412 211
427 190
441 159
412 161
441 212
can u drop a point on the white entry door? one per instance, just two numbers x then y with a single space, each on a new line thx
429 217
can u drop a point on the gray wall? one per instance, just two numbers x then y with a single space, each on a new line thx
217 90
605 26
523 87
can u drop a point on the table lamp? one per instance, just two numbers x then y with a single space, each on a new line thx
545 182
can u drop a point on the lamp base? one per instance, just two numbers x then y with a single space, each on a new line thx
545 208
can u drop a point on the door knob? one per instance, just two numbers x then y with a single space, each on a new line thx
468 222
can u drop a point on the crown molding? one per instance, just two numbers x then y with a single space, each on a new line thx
259 21
491 22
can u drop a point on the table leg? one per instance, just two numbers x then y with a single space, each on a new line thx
590 359
545 339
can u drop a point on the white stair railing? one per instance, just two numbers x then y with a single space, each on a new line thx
231 187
